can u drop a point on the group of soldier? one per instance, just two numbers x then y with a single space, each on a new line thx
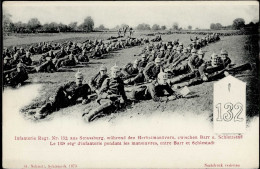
18 62
123 30
151 76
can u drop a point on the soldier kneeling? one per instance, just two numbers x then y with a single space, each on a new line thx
66 95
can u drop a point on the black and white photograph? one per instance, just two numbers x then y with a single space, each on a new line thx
130 84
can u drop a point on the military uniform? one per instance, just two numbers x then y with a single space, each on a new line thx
193 64
153 91
65 96
110 97
214 66
17 76
151 71
97 81
27 60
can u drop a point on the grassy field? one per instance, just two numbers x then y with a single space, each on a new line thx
200 103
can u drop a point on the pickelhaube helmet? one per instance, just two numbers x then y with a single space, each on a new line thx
115 68
79 74
169 47
193 50
103 67
157 60
162 75
223 52
162 49
200 52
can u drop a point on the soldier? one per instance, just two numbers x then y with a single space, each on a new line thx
49 55
62 53
155 90
179 59
161 54
152 69
173 55
224 57
83 57
111 94
216 64
65 96
45 65
16 77
27 59
131 31
168 52
133 73
130 69
143 62
192 66
71 61
7 63
97 81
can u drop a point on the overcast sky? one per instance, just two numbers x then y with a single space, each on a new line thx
196 14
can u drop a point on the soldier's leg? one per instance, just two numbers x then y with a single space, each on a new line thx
57 65
191 82
59 101
139 93
106 105
181 78
139 78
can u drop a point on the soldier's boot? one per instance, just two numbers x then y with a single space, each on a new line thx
98 112
43 112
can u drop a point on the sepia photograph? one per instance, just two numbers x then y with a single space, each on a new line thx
130 84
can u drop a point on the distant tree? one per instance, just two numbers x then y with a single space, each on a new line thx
20 27
155 27
218 26
51 27
72 26
101 27
88 24
33 24
163 27
213 26
63 28
238 23
175 26
190 27
117 27
143 26
7 22
124 25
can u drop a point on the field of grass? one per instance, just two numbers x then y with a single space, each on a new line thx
200 103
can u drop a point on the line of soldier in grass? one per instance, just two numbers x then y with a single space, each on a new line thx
156 70
56 55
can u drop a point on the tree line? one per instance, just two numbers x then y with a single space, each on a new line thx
238 24
35 26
